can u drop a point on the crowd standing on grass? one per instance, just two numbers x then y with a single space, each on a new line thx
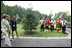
50 25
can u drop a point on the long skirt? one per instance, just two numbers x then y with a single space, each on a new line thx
7 40
58 27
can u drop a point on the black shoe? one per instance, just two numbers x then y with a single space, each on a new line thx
66 33
8 45
10 39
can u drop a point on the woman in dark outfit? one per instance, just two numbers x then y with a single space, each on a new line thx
13 26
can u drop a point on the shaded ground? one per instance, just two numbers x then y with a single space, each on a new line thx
39 43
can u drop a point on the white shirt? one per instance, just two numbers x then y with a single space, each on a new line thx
5 24
41 21
53 22
63 23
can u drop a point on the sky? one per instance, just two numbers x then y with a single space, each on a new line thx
44 7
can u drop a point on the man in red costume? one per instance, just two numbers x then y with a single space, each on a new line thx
47 24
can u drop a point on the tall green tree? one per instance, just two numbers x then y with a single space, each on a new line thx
30 20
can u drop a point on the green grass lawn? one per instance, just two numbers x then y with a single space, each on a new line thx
38 33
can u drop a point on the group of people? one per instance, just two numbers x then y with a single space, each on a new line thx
50 25
6 25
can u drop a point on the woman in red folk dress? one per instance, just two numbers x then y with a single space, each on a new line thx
58 25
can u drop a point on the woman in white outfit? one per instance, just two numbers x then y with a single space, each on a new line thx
5 28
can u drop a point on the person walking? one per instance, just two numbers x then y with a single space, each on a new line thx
14 26
5 28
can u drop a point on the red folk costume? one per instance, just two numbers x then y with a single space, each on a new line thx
58 25
61 20
47 22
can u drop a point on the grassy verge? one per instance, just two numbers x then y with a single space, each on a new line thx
38 33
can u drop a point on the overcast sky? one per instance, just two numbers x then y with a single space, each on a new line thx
43 6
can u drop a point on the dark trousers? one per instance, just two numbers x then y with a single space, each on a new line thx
64 29
42 27
1 33
1 36
46 27
52 27
13 29
60 26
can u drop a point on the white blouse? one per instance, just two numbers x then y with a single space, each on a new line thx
5 25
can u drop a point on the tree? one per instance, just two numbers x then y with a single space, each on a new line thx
69 18
3 9
50 15
30 20
64 14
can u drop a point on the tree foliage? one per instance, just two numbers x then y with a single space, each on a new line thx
30 20
22 12
64 14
